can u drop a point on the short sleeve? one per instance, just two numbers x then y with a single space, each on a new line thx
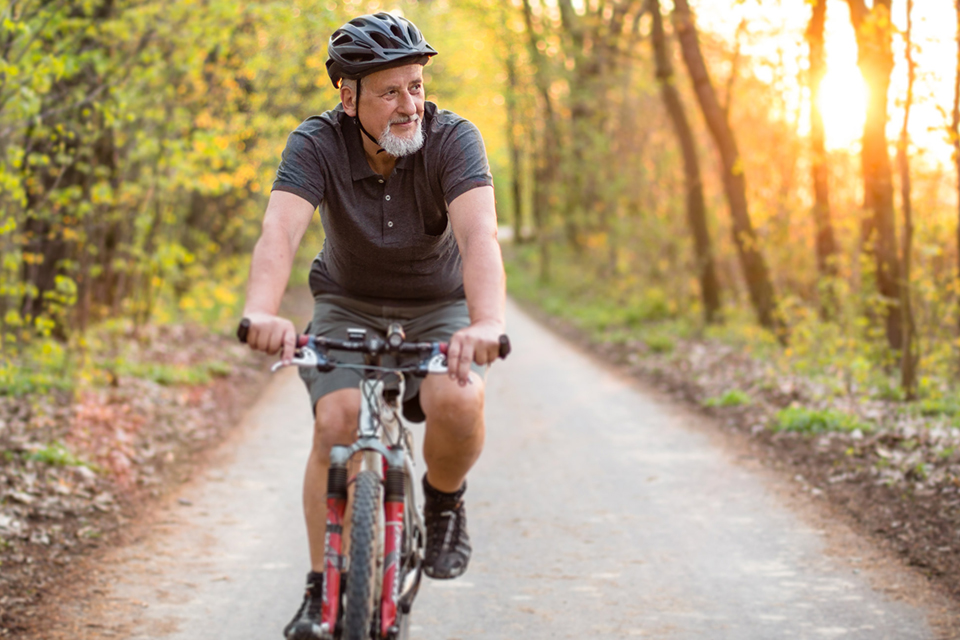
300 171
463 163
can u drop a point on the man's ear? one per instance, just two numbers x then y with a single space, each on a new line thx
348 99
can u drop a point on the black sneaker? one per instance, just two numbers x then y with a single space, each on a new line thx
448 544
306 623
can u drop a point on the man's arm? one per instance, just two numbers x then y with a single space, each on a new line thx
474 219
284 224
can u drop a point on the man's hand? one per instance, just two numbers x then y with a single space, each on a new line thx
270 333
480 343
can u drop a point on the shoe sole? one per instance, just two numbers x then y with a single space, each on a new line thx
445 576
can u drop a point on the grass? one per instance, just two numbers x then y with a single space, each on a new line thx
56 454
170 374
931 407
731 398
813 421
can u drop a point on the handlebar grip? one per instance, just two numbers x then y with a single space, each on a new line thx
504 346
243 329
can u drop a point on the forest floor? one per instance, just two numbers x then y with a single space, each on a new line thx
893 470
74 469
77 467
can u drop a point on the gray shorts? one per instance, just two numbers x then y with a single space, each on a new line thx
333 315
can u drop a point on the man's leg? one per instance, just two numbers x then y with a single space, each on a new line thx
335 423
452 444
455 429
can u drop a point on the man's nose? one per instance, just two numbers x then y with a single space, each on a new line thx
407 105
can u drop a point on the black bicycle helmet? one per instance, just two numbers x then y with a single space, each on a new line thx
372 43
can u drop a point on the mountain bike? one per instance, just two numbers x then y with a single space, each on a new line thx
369 590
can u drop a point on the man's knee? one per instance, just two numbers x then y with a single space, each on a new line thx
335 420
448 403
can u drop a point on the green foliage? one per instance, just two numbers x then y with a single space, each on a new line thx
56 454
594 306
137 144
167 374
811 421
658 342
939 406
731 398
43 366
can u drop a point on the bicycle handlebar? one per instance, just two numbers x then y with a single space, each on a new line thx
394 342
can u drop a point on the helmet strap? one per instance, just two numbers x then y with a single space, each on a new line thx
359 124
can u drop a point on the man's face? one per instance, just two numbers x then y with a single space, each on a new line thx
391 108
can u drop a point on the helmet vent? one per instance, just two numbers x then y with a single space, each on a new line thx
342 39
361 57
382 40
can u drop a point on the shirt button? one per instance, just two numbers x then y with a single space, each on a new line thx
380 180
388 197
390 223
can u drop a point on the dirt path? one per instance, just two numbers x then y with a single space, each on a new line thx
597 510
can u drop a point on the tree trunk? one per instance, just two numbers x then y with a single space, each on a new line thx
955 136
910 355
826 244
754 266
546 160
513 139
875 58
696 208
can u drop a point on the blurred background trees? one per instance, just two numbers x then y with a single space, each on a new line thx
717 168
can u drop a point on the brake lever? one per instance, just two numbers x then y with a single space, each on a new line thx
305 356
437 363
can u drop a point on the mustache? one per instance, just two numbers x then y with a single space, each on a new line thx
413 118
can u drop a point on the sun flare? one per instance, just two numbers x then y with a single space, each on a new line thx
843 102
778 29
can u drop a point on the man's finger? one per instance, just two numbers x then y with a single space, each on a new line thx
289 345
463 366
276 338
485 355
453 357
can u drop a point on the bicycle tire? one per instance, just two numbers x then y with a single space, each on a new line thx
360 591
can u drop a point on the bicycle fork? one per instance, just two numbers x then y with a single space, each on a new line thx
392 547
394 496
333 545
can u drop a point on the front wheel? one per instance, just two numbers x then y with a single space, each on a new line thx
360 590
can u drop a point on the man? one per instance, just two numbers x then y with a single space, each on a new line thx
410 230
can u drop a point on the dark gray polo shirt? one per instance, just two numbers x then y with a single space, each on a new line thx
388 240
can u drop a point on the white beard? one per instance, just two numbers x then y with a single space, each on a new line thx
399 147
